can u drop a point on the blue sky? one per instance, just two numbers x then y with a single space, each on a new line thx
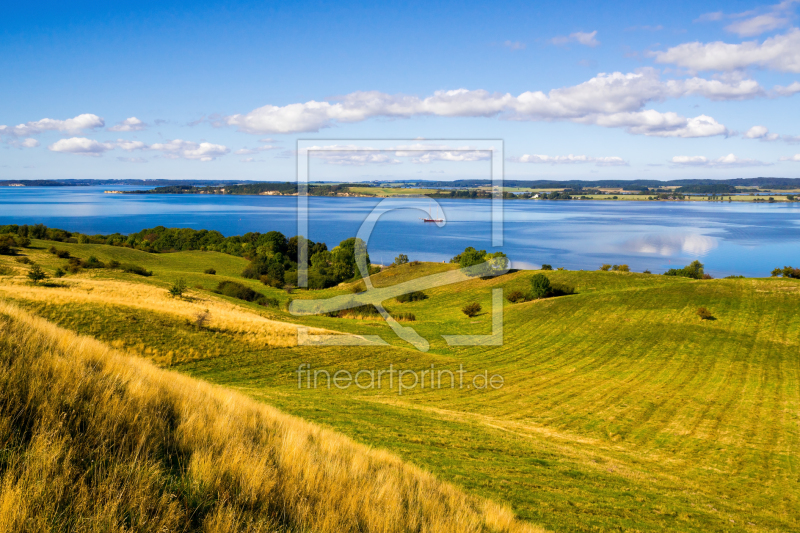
576 90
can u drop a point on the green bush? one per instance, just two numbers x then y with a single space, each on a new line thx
787 272
210 271
694 271
178 288
546 267
237 290
560 289
605 267
404 317
415 296
516 297
36 274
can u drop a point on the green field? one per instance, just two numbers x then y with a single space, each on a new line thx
621 410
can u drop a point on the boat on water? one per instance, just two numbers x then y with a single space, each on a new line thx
431 218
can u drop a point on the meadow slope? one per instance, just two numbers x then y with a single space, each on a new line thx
621 409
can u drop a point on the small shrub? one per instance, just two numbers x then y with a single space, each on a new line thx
237 290
620 268
93 262
646 272
546 267
210 271
268 302
269 281
708 276
516 297
62 254
561 289
113 264
358 287
136 269
59 273
471 309
414 263
605 267
704 313
404 317
734 277
23 260
36 274
5 271
178 288
415 296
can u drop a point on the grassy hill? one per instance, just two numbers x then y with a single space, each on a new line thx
620 410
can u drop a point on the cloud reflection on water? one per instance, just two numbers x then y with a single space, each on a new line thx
668 245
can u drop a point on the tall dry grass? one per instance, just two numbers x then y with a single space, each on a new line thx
91 440
224 315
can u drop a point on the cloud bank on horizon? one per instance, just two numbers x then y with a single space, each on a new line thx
688 92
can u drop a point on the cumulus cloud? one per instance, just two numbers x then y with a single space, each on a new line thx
179 148
586 39
757 21
570 159
129 124
781 53
130 146
761 132
611 100
795 158
74 126
729 160
80 146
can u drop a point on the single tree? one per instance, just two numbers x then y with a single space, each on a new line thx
545 266
401 259
471 309
540 286
36 274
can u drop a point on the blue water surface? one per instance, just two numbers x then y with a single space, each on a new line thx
730 238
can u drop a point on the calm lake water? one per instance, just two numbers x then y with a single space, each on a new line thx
730 238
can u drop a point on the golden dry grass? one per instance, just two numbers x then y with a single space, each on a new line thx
222 315
91 440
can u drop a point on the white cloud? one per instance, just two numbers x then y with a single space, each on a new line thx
514 45
571 159
419 153
73 126
756 21
761 132
586 39
781 53
789 90
179 148
250 151
132 159
81 146
729 160
130 146
795 158
611 100
129 124
710 17
24 143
